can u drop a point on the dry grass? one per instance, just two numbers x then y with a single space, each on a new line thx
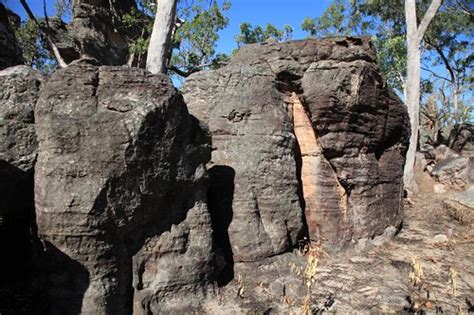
419 297
461 214
452 287
313 256
241 289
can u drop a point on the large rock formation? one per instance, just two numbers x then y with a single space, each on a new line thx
302 127
96 31
10 53
120 193
19 90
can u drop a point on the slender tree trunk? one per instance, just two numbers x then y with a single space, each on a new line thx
455 99
415 34
161 36
412 102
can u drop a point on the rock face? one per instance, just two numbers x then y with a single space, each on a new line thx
461 206
302 127
10 54
456 172
19 90
120 193
20 87
96 31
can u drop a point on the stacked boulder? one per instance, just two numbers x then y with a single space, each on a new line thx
120 193
303 127
131 214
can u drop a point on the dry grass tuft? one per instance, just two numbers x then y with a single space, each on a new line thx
452 286
241 289
461 214
313 255
416 276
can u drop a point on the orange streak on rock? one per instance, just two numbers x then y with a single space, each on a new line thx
312 157
310 151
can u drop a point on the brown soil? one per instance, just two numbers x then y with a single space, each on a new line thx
373 280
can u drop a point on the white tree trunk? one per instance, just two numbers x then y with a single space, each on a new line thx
456 98
160 41
415 34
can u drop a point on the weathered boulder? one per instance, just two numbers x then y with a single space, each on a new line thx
120 193
461 206
19 90
302 127
96 31
455 172
10 53
460 137
20 87
442 152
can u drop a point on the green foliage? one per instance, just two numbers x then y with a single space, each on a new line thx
370 17
251 35
34 47
447 44
195 40
334 21
142 24
63 9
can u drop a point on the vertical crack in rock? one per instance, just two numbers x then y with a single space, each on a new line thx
311 156
351 131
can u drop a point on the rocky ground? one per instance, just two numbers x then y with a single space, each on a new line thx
378 279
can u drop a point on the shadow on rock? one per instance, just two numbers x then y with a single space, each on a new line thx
220 198
64 282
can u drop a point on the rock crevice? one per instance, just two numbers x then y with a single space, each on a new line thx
351 131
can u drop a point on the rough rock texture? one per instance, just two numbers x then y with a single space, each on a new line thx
460 137
10 53
359 124
96 31
461 206
442 152
455 172
120 193
19 90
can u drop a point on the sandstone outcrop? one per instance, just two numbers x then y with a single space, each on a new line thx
302 127
456 172
96 31
120 194
19 90
10 54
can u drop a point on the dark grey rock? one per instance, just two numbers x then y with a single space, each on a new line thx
19 90
10 53
358 133
96 31
120 191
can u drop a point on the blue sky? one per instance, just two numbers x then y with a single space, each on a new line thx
276 12
256 12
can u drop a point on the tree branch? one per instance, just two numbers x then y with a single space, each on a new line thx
181 72
425 22
45 32
435 74
444 58
464 8
187 73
